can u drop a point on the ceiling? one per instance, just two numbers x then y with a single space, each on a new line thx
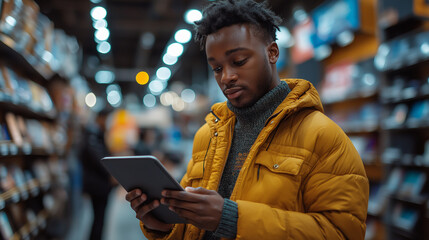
127 21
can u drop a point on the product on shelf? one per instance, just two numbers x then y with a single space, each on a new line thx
334 21
20 182
5 139
378 198
397 117
41 171
405 217
6 89
349 80
31 182
394 180
5 226
7 182
412 184
12 125
363 119
402 52
12 85
366 147
419 114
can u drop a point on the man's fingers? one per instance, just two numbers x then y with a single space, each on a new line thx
135 204
188 196
199 190
133 194
190 206
146 209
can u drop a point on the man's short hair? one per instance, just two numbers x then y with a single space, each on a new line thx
225 13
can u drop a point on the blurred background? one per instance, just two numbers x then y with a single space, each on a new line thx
84 79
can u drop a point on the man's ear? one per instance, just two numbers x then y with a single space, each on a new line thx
273 52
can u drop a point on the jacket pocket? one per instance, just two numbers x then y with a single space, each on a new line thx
280 163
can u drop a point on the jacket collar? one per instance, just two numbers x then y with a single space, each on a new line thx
303 95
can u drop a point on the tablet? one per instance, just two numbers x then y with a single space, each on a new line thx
148 174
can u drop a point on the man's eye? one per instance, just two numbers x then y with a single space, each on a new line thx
240 63
217 69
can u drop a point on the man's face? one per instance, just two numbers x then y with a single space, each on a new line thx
242 63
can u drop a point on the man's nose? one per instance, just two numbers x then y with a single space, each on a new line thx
228 76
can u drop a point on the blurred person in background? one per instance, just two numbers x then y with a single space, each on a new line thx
149 139
268 164
97 182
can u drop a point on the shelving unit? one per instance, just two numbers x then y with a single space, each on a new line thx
376 89
33 139
403 60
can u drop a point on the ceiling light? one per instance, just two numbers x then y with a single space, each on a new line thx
142 78
156 87
102 23
113 87
90 99
103 47
188 95
175 49
193 15
98 13
168 59
183 36
104 77
166 99
149 100
114 98
178 105
96 1
102 34
163 73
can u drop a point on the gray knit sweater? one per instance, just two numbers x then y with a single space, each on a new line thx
250 122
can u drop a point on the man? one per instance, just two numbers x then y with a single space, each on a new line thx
267 164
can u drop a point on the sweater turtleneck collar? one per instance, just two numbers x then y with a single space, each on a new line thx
263 108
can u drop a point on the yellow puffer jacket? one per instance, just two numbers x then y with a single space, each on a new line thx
302 178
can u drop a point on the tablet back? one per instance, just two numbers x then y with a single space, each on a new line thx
148 174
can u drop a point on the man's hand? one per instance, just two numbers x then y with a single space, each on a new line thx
199 206
143 211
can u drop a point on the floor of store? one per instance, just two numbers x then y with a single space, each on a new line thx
120 222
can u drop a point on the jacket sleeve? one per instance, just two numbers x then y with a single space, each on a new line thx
334 194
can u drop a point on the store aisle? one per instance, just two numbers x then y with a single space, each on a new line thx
120 222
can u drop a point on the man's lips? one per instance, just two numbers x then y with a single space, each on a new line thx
232 92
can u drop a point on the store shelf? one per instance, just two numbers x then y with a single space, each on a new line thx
10 150
411 200
362 129
21 61
354 97
407 66
26 112
422 126
30 189
399 99
31 229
